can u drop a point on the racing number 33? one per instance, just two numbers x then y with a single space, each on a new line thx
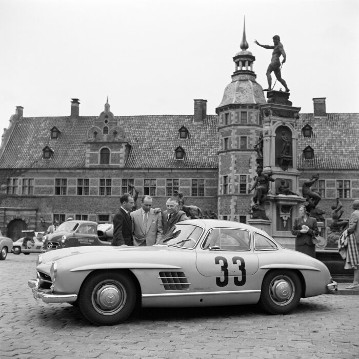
224 267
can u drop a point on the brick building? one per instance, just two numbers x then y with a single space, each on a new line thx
78 166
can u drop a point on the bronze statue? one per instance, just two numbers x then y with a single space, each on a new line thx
275 65
283 188
312 197
191 211
258 147
286 148
337 226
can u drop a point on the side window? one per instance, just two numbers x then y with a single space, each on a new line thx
228 239
262 243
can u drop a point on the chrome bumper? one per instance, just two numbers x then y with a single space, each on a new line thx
332 287
47 296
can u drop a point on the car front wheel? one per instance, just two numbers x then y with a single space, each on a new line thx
107 298
3 253
16 250
281 291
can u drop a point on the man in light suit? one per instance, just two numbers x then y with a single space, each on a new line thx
147 225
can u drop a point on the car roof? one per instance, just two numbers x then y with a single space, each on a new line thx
80 222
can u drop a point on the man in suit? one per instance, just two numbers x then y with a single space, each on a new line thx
122 224
172 215
147 225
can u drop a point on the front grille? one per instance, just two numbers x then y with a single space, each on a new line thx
45 280
174 280
53 245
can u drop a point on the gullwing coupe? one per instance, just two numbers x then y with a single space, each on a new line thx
203 262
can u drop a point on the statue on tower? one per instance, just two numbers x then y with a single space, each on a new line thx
275 65
337 226
312 199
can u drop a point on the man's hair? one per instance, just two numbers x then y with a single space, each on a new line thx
124 198
173 199
276 37
146 196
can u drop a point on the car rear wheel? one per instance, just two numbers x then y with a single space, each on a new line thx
16 250
281 291
107 298
3 253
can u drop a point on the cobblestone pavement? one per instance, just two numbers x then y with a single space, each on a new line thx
321 327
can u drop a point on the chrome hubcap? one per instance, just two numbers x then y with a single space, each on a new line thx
109 298
282 290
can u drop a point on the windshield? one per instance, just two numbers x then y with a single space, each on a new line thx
67 226
183 236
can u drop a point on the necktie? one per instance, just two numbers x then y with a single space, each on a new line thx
145 220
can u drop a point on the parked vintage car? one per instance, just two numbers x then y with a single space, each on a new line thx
73 234
204 263
105 231
30 243
5 246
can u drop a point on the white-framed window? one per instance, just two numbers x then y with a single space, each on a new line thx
27 186
172 186
149 187
127 185
197 187
343 188
81 217
60 186
243 181
12 185
83 186
105 186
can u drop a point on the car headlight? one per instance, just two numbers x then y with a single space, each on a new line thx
63 239
53 271
44 238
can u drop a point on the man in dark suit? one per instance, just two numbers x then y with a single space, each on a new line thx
122 224
172 215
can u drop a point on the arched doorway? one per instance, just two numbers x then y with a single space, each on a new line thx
15 228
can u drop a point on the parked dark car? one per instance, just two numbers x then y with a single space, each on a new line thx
73 234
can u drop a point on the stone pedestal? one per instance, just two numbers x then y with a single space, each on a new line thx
264 225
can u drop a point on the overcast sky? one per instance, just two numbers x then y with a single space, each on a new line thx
155 56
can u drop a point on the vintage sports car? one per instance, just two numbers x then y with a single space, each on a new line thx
73 234
105 231
5 247
31 243
205 262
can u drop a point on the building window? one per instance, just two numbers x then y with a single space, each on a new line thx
105 130
81 217
179 153
308 153
127 185
226 118
172 187
59 217
103 218
343 188
319 187
149 188
47 153
243 143
104 156
244 117
198 187
225 218
105 186
183 132
83 186
27 186
307 131
243 184
226 143
12 185
225 184
60 186
243 219
54 133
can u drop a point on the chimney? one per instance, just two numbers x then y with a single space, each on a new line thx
19 111
319 106
200 110
75 107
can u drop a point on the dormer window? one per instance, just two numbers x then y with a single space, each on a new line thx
54 133
94 134
183 132
115 133
105 156
308 153
307 131
105 130
47 153
180 153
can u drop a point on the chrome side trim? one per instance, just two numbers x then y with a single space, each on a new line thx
193 294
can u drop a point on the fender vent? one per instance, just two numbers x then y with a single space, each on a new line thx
174 280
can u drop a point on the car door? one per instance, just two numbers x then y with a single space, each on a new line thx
227 256
86 234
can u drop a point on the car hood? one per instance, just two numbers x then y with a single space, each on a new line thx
75 251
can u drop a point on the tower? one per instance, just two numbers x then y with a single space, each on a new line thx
239 128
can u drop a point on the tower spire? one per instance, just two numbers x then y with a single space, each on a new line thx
244 44
107 106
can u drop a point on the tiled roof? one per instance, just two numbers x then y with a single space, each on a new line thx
153 140
334 141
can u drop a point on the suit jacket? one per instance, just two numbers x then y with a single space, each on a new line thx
305 238
168 224
122 229
150 235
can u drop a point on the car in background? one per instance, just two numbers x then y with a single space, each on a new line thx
74 233
105 231
202 262
30 243
5 246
